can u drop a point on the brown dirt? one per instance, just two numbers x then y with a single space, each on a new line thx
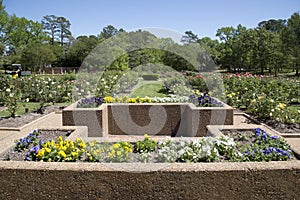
20 121
280 127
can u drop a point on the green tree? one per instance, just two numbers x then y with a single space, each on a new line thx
189 37
226 35
64 32
50 26
273 25
266 49
3 26
291 39
38 56
109 31
80 49
57 28
211 46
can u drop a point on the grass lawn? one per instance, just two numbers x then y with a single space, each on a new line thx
149 89
31 106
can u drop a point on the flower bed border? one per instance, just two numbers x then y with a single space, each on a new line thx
172 181
227 180
182 118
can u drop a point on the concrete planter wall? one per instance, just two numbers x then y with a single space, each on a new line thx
36 180
173 119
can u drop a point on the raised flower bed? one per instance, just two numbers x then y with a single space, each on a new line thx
251 145
158 180
141 115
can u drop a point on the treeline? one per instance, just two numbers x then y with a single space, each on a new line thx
274 45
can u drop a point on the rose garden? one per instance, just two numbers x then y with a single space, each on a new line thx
271 101
133 115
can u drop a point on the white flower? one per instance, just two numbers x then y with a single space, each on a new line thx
8 90
11 95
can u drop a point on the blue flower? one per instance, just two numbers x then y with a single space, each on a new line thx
34 149
274 137
257 131
264 135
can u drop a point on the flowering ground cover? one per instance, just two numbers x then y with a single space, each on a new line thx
205 100
33 139
235 146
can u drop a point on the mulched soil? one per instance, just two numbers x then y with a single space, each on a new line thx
20 121
284 128
280 127
45 135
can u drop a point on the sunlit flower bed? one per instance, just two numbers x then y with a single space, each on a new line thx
203 100
255 146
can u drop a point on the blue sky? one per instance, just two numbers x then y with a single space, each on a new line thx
203 17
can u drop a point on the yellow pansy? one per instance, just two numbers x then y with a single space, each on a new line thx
41 153
82 145
92 144
47 150
109 99
60 139
147 136
62 154
74 154
15 76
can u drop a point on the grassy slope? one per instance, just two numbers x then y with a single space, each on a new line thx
148 88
